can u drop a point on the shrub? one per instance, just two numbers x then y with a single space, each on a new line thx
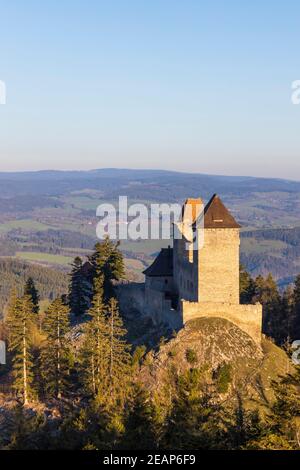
191 356
223 377
172 352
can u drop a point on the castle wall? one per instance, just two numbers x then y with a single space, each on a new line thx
153 303
218 266
160 283
160 310
247 317
185 271
131 296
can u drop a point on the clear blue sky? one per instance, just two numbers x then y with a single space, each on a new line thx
185 85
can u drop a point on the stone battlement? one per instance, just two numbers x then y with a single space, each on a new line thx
247 317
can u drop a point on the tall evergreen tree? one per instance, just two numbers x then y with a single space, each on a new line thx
56 353
11 305
107 260
196 416
242 425
20 322
247 286
119 356
282 426
79 289
267 293
105 353
142 428
288 309
94 354
26 430
33 293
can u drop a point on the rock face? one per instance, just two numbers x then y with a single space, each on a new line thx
212 342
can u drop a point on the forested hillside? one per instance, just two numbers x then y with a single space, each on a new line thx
272 250
49 216
13 274
73 380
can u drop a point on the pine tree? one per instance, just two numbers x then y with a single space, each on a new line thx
243 426
142 426
27 430
288 308
266 292
11 305
282 428
94 354
56 354
95 427
119 357
247 286
31 291
196 415
107 260
20 323
79 289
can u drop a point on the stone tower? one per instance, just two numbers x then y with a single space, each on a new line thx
209 271
185 258
201 279
218 258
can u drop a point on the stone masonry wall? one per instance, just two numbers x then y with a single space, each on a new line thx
161 311
247 317
218 266
185 271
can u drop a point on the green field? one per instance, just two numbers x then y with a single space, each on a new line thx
26 224
82 202
44 257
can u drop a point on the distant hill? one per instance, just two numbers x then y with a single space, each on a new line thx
272 250
54 213
61 182
14 274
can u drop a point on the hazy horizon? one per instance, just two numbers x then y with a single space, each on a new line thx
66 170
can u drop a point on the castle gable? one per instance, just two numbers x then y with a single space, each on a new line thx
216 215
162 266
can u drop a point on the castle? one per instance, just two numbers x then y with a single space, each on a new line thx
200 279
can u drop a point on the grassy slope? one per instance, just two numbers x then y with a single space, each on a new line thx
26 224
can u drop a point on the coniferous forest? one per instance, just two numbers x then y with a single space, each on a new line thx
74 381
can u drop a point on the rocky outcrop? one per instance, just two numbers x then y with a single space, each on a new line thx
212 342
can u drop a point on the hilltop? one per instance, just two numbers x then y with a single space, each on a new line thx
213 345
